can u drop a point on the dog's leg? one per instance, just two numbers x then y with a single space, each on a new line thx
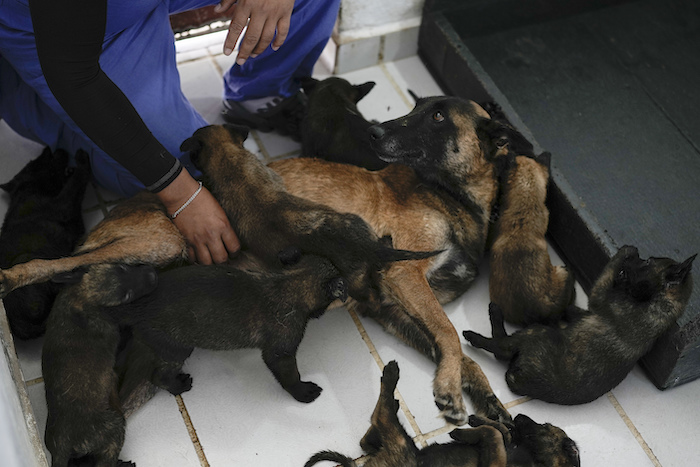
474 382
408 286
498 328
283 366
489 440
386 432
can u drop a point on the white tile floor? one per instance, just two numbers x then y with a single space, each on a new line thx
236 414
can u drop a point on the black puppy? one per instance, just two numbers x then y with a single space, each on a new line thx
85 423
222 307
489 443
333 128
632 303
44 220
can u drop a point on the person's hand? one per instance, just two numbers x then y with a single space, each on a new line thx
203 222
266 17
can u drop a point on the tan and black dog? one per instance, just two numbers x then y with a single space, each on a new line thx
333 128
522 280
438 196
86 423
487 444
631 304
271 223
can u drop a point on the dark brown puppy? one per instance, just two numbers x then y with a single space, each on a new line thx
333 128
522 280
442 202
136 231
488 444
44 220
85 423
269 220
222 307
632 303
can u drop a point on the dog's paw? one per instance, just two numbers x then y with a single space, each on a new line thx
494 410
477 420
182 382
390 376
305 391
452 409
125 464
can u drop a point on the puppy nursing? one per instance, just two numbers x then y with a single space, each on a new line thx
221 307
85 423
631 304
522 281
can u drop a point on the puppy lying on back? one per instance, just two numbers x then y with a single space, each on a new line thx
221 307
631 304
85 423
488 444
333 128
522 281
269 220
44 220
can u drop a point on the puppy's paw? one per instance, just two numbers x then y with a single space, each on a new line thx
305 391
494 410
390 375
477 420
125 464
182 382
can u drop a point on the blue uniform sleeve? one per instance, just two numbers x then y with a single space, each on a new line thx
69 36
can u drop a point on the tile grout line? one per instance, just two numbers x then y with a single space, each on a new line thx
396 86
191 431
34 382
630 425
402 403
516 402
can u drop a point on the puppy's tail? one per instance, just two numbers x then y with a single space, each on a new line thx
390 255
331 456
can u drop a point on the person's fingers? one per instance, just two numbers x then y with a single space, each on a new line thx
238 23
224 5
191 255
231 242
217 251
250 40
282 32
266 36
202 254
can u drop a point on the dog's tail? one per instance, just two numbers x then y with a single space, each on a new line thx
331 456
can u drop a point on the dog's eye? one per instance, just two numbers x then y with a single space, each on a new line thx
438 116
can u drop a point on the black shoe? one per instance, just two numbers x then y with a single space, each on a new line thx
283 115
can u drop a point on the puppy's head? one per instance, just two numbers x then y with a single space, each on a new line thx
443 135
334 88
44 176
545 443
213 140
654 291
109 284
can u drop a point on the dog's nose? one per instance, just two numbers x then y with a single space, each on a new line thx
376 132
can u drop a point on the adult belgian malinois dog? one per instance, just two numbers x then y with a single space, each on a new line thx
437 194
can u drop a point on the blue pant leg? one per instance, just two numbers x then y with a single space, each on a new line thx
275 73
140 60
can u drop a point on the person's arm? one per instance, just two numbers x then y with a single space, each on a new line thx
69 36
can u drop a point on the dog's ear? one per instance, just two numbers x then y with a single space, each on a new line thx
544 159
237 131
677 274
70 277
363 90
308 84
9 187
192 145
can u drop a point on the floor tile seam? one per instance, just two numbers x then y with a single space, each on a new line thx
34 381
261 146
191 431
633 429
375 354
404 97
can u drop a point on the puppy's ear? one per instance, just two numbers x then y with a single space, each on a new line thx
571 451
677 274
363 90
237 131
192 145
501 134
308 84
544 159
9 187
70 277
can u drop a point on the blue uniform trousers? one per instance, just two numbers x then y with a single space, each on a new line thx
139 57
